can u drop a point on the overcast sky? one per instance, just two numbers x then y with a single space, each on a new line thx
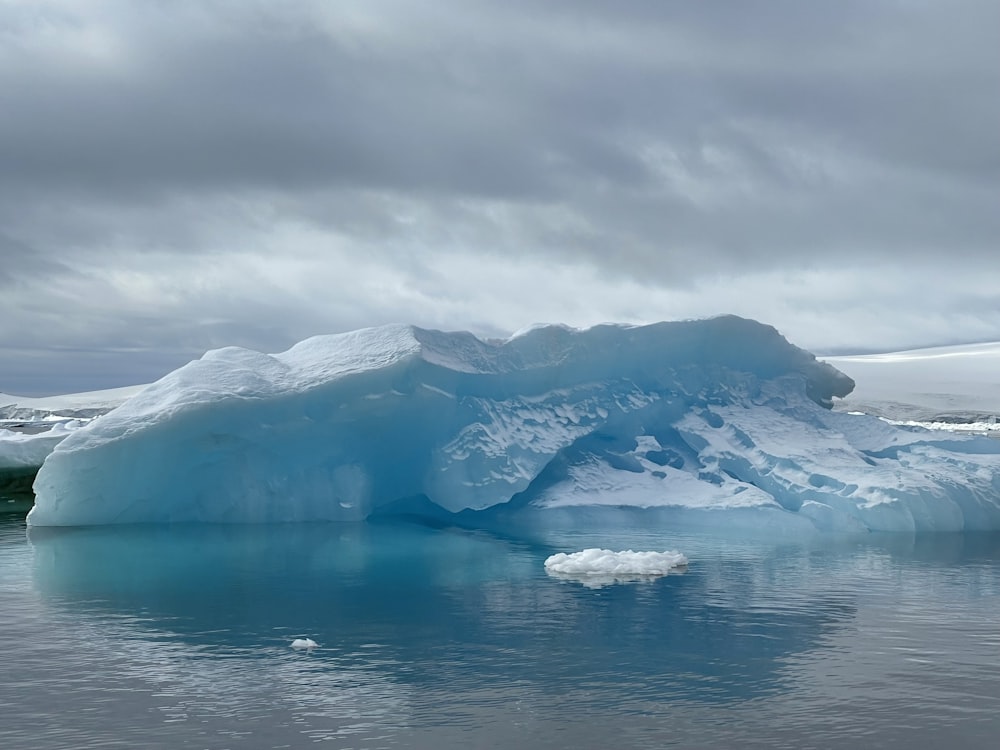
177 176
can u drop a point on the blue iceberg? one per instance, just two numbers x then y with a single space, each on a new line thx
719 418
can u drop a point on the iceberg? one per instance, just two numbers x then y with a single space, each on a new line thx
597 568
720 418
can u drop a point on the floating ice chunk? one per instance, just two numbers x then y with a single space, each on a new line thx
596 567
27 450
304 644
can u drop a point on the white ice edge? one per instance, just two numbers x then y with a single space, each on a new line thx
624 565
946 426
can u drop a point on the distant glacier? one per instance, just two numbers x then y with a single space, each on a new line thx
718 421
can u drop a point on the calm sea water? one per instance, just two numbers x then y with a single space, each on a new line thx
440 638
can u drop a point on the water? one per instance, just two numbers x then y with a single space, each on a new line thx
440 638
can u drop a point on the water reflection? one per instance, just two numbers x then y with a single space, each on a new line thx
442 605
449 637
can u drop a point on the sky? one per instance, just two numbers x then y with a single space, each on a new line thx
184 175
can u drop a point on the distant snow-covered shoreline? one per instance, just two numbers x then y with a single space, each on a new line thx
945 387
66 406
31 428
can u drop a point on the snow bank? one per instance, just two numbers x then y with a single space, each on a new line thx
599 567
717 416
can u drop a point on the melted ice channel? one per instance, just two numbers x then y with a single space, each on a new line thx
596 568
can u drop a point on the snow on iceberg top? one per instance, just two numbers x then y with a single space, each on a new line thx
607 348
394 358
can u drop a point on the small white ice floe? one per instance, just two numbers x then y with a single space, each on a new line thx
596 568
305 643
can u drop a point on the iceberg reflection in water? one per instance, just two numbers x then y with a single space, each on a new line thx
162 636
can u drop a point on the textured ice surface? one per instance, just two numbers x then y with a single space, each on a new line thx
596 567
719 417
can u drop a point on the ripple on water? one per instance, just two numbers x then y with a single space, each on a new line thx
173 638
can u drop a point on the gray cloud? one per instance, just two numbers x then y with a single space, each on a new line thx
175 176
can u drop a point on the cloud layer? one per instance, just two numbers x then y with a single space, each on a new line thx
177 176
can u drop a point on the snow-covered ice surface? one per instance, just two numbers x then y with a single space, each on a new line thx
596 568
721 418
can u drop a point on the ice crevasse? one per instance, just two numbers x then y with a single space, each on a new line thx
721 418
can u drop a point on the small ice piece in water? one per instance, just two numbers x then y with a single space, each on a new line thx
596 568
304 643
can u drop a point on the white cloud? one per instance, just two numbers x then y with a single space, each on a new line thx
176 176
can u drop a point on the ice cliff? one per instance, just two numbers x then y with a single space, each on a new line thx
716 416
